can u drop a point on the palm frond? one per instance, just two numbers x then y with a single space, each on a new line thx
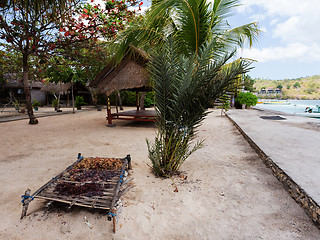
242 34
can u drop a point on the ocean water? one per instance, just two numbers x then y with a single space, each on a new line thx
290 106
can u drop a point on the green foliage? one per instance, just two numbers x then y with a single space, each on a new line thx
59 73
306 88
55 103
129 98
280 86
224 103
16 104
296 85
35 103
149 99
79 101
192 23
247 98
248 83
184 87
310 90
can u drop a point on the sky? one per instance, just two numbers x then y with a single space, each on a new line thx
289 44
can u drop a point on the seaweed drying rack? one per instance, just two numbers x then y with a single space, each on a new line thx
115 187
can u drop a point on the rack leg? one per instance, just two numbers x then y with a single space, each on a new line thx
129 162
25 204
114 220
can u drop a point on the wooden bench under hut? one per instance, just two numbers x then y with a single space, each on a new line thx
130 74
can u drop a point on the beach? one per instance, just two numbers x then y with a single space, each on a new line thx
224 190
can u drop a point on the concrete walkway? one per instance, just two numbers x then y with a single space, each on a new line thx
292 143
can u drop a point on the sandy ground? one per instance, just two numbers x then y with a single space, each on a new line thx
228 193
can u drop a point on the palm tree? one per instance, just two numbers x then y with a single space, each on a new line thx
192 23
191 43
184 87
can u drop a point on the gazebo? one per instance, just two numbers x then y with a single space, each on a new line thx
66 89
129 74
57 88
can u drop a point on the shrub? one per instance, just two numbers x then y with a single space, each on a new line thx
248 99
55 103
79 101
35 103
310 90
129 98
149 99
296 85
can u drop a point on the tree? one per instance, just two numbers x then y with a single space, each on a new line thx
190 43
248 83
184 87
84 36
29 28
296 85
92 21
247 98
279 86
192 23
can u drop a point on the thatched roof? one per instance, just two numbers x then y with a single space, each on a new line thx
12 80
129 74
57 88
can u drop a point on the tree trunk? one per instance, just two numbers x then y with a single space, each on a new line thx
72 98
120 101
143 95
32 118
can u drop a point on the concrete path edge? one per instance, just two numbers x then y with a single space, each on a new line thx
296 192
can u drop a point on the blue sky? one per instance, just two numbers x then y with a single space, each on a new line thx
289 46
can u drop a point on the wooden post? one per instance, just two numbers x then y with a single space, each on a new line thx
68 101
25 203
138 100
109 115
120 101
117 105
143 96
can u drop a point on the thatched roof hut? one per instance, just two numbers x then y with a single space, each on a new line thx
129 74
57 88
12 80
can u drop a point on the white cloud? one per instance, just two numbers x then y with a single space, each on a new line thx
293 23
300 52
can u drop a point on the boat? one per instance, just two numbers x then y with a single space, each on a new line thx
313 110
277 102
310 115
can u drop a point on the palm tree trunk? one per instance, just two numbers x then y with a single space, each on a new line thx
32 118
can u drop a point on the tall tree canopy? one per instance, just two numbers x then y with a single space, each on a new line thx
192 23
29 27
38 28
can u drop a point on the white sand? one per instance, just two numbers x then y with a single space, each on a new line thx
228 194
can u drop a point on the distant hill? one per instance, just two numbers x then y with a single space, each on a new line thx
299 88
